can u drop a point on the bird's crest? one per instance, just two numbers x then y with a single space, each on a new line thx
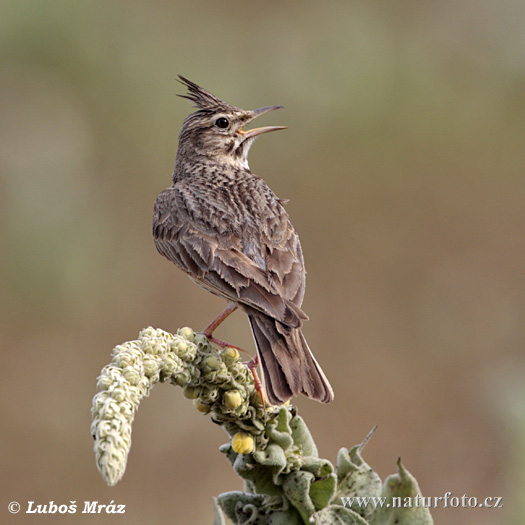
201 98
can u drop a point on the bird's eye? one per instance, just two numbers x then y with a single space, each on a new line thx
222 123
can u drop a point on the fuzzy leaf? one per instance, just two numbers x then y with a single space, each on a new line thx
404 486
336 515
244 508
273 459
322 491
218 514
261 477
236 504
296 488
279 431
320 468
355 477
302 437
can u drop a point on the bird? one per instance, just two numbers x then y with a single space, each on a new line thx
228 231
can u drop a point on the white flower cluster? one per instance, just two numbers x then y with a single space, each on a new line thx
212 377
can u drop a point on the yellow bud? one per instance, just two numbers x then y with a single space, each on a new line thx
230 356
243 443
200 406
211 363
191 392
182 378
182 346
232 399
187 333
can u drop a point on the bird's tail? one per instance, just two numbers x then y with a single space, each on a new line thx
288 366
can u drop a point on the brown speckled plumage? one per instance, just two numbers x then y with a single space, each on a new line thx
230 233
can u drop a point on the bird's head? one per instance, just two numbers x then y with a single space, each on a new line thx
216 131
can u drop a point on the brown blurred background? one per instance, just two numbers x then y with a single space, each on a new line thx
404 166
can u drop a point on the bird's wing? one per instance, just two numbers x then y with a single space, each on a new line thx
233 265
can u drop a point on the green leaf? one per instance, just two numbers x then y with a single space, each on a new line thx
273 460
336 515
355 477
278 429
400 508
272 456
322 491
262 477
244 508
296 488
227 449
302 437
319 467
238 504
218 514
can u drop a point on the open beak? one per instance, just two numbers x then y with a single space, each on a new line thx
250 134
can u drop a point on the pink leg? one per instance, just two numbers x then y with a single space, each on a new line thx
225 344
208 331
222 316
252 365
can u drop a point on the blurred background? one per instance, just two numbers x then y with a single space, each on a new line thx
404 166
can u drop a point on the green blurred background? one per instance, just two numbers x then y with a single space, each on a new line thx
404 166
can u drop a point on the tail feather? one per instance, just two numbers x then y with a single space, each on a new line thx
288 366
